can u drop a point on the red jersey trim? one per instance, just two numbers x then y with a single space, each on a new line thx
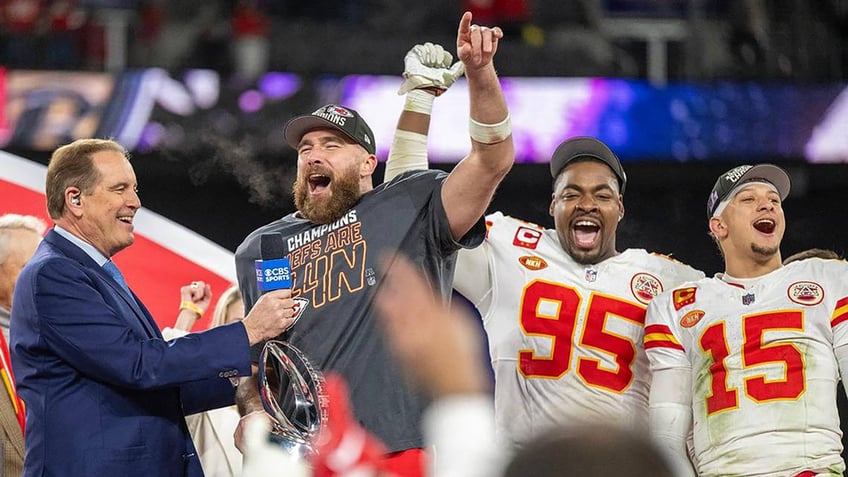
840 314
659 336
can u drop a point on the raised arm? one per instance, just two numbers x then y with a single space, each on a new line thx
195 299
470 186
428 73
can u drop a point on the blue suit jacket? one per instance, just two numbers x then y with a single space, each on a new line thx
105 395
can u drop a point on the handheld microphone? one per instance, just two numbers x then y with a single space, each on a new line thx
273 271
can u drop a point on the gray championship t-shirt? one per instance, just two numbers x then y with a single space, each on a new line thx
335 277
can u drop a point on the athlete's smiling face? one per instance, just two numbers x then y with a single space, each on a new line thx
332 174
586 206
752 224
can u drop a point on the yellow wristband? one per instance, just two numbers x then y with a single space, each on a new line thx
187 305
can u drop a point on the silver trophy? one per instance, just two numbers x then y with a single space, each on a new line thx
293 393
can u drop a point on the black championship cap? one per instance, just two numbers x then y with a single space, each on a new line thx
587 147
737 176
332 116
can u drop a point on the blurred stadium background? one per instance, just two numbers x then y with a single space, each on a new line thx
681 90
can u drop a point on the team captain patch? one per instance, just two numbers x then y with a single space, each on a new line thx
526 237
806 293
645 287
683 297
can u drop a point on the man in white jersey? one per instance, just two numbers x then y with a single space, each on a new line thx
563 309
751 357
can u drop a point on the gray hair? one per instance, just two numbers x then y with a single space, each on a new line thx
10 222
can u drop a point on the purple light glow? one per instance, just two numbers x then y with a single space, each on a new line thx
277 86
251 101
150 137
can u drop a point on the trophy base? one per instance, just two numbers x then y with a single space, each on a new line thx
300 450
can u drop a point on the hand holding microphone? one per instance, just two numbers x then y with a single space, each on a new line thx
270 316
274 311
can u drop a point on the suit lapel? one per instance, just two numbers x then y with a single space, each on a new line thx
144 322
133 303
146 318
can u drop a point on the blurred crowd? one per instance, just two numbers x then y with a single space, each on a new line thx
702 39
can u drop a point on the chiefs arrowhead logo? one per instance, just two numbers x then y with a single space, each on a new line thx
682 297
300 305
805 293
532 263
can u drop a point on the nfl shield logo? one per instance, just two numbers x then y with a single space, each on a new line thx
591 274
747 298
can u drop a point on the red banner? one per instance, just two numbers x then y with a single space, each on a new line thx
164 257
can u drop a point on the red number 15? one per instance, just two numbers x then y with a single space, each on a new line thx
755 353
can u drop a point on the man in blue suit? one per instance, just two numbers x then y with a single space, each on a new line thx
105 395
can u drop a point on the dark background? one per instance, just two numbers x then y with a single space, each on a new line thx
665 202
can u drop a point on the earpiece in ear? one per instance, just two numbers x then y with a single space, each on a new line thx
75 200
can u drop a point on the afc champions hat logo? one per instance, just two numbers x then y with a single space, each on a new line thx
736 173
339 115
333 113
333 109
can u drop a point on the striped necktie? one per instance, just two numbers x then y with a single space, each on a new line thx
116 275
113 271
8 379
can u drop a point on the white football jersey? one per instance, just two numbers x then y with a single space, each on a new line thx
565 339
763 368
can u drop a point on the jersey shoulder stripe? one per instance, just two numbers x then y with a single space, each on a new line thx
840 314
660 336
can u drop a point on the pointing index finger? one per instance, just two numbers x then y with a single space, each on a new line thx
465 25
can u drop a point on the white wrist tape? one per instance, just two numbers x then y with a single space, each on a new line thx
419 101
408 153
489 133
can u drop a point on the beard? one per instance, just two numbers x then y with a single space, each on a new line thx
583 257
344 194
764 252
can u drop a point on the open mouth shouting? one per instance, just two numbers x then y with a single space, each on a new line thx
318 183
765 225
586 233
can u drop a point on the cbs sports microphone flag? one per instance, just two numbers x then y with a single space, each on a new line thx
164 257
